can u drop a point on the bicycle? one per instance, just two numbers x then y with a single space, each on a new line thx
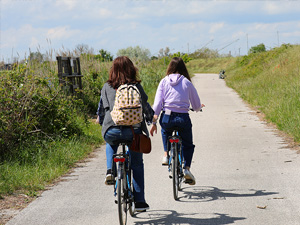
123 188
175 166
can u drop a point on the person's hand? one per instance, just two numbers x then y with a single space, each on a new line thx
202 105
153 129
97 120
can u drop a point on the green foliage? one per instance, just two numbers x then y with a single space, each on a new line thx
95 74
270 81
136 53
104 56
204 53
184 57
38 165
36 56
210 65
151 73
258 48
33 108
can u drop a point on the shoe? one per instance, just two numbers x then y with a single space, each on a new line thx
165 161
141 206
189 178
109 179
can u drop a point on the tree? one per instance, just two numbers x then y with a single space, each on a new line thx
83 49
36 56
204 53
258 48
164 52
184 57
135 53
104 56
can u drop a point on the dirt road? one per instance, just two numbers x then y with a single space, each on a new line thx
244 175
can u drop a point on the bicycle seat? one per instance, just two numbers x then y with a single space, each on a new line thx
122 141
175 128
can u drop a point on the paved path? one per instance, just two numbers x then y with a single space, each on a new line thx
245 175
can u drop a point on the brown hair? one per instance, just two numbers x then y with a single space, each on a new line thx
122 72
177 66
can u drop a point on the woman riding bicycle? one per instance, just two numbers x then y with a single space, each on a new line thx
174 94
124 72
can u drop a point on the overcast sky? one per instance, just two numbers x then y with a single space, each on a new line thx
181 25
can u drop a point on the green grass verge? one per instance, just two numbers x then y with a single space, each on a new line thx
43 163
270 81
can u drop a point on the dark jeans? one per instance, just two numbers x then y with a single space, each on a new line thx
137 164
183 121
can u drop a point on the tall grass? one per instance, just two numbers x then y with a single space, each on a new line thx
41 164
270 81
210 65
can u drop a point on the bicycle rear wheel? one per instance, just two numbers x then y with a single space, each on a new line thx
175 172
123 205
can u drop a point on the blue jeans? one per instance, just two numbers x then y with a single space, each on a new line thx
183 121
137 164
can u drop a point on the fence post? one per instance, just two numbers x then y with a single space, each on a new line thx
69 74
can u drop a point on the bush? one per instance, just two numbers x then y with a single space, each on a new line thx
33 107
258 48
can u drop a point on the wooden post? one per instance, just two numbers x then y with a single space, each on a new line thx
69 73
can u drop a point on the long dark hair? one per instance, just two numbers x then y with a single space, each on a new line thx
177 66
122 72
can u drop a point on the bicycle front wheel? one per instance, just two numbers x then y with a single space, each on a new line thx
175 173
122 201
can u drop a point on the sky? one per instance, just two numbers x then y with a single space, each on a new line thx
228 26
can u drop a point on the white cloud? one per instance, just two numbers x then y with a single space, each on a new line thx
66 4
58 33
216 27
281 7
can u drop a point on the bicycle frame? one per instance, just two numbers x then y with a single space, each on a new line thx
176 162
123 185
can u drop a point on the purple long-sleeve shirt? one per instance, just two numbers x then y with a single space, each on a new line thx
175 93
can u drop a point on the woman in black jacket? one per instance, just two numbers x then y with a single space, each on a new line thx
124 72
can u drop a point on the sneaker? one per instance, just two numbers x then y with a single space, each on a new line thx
165 161
141 206
189 178
109 179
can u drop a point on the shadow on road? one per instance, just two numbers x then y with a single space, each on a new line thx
169 217
205 194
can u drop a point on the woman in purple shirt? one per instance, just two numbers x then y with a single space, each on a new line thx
173 97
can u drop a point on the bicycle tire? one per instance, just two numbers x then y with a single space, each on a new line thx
122 202
175 172
131 198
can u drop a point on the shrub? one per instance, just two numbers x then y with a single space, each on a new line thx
33 107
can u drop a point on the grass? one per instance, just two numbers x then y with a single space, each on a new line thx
42 164
270 81
210 65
